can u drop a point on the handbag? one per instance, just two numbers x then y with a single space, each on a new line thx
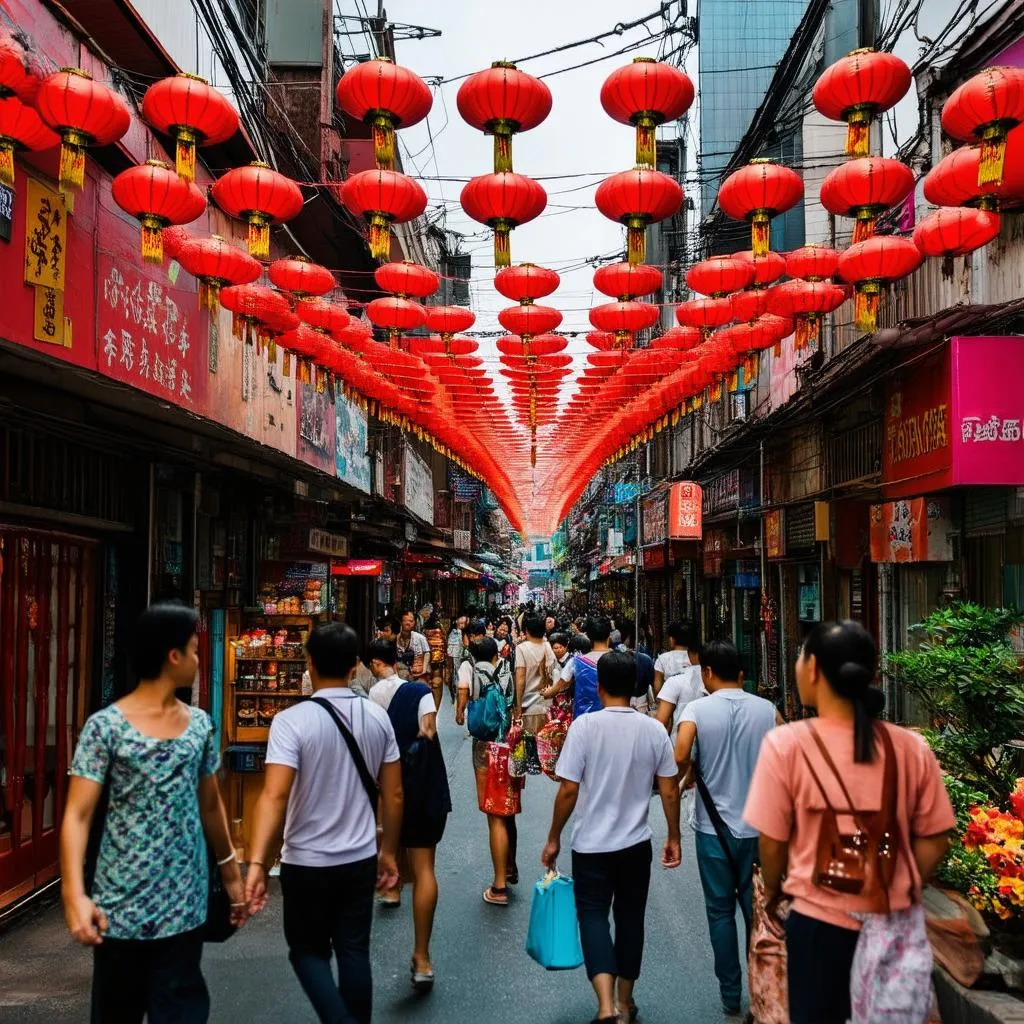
553 937
502 794
766 963
550 740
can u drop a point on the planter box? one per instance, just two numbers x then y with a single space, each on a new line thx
959 1005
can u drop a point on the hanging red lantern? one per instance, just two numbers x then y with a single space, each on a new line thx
627 280
175 239
720 275
270 325
768 267
705 314
545 344
857 88
396 315
448 321
813 263
757 193
871 264
953 181
190 110
298 275
526 282
384 198
624 319
864 189
956 232
17 74
261 197
985 108
681 339
807 302
20 128
503 201
155 195
638 198
83 113
407 279
385 96
502 101
248 303
216 264
606 341
529 319
327 317
645 94
747 306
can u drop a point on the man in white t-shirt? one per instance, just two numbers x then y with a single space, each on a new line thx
413 650
536 670
606 768
329 862
683 651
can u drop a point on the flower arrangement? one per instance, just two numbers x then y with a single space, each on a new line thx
991 857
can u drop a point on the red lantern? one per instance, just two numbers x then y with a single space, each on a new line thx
188 108
857 88
502 101
606 341
529 319
758 192
20 128
327 317
386 97
449 320
865 188
871 264
545 344
297 275
681 339
83 113
383 198
217 264
637 198
624 318
261 197
956 232
747 306
395 315
271 324
953 181
407 278
503 201
17 75
720 275
249 303
768 267
812 263
526 282
645 94
985 108
627 280
704 313
808 302
157 197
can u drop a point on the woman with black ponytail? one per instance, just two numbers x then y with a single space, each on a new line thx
853 818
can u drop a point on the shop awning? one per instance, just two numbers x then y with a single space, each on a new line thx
358 567
463 566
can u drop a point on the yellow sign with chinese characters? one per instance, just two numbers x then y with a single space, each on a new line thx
49 324
46 237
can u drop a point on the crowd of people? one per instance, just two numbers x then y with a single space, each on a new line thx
819 825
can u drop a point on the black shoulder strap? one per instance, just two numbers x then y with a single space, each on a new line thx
721 829
368 781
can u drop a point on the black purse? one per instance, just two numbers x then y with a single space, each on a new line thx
218 926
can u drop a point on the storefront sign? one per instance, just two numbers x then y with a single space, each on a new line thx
623 493
714 547
48 322
685 506
463 486
442 511
914 530
352 459
46 237
654 558
654 518
7 197
334 545
358 567
722 493
462 539
418 486
774 534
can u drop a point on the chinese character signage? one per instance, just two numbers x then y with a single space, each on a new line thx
352 461
418 486
463 486
46 237
774 534
685 505
654 558
914 530
48 322
654 518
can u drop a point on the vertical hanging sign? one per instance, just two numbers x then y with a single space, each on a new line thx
45 262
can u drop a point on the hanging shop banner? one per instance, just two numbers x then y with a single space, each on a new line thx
912 530
722 494
46 237
358 567
774 534
715 544
351 458
654 558
462 540
463 486
418 487
654 518
685 507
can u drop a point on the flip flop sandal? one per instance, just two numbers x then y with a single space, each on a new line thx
422 981
497 897
512 877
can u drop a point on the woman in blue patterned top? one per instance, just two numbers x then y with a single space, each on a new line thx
147 905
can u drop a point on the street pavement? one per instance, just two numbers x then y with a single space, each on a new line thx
483 973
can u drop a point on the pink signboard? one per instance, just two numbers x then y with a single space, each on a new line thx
987 411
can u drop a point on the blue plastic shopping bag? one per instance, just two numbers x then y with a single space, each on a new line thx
554 936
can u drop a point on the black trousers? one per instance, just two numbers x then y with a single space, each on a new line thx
820 958
329 909
616 882
158 979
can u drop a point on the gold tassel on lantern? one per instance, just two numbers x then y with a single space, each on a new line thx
152 239
864 227
646 142
813 331
383 131
636 239
865 306
733 382
800 335
751 366
185 154
858 131
380 236
272 349
993 153
715 391
71 174
209 293
286 364
760 232
502 243
502 146
7 161
259 235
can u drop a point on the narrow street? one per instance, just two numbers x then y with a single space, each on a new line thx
478 951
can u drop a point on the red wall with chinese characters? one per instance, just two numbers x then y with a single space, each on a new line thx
685 511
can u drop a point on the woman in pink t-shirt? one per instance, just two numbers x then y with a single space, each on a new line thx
834 674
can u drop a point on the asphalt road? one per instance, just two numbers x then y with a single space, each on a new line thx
483 974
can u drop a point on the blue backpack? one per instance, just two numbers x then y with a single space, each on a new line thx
488 715
585 698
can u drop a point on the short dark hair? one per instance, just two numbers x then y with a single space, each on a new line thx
599 629
684 634
616 673
389 621
476 627
333 648
534 626
722 659
559 638
382 650
580 644
484 650
402 615
163 627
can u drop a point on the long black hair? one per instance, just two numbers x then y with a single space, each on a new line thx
847 656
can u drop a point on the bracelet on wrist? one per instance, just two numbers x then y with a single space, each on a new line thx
228 859
257 863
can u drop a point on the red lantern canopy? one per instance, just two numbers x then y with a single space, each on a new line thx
384 198
298 275
624 319
720 275
857 88
17 75
812 263
155 195
637 198
627 280
758 192
985 108
503 201
261 197
704 313
808 302
768 267
529 319
384 96
526 282
20 128
83 113
502 101
217 264
865 188
190 110
871 264
645 94
956 231
407 279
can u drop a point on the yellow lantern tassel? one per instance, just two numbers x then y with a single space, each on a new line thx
272 349
993 153
751 367
185 155
152 239
7 161
865 226
636 239
865 306
286 364
760 232
646 143
502 146
800 336
733 382
259 236
380 236
209 294
858 131
813 331
237 326
697 402
383 132
674 418
71 174
502 243
715 391
321 379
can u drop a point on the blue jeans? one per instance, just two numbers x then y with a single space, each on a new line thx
722 891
